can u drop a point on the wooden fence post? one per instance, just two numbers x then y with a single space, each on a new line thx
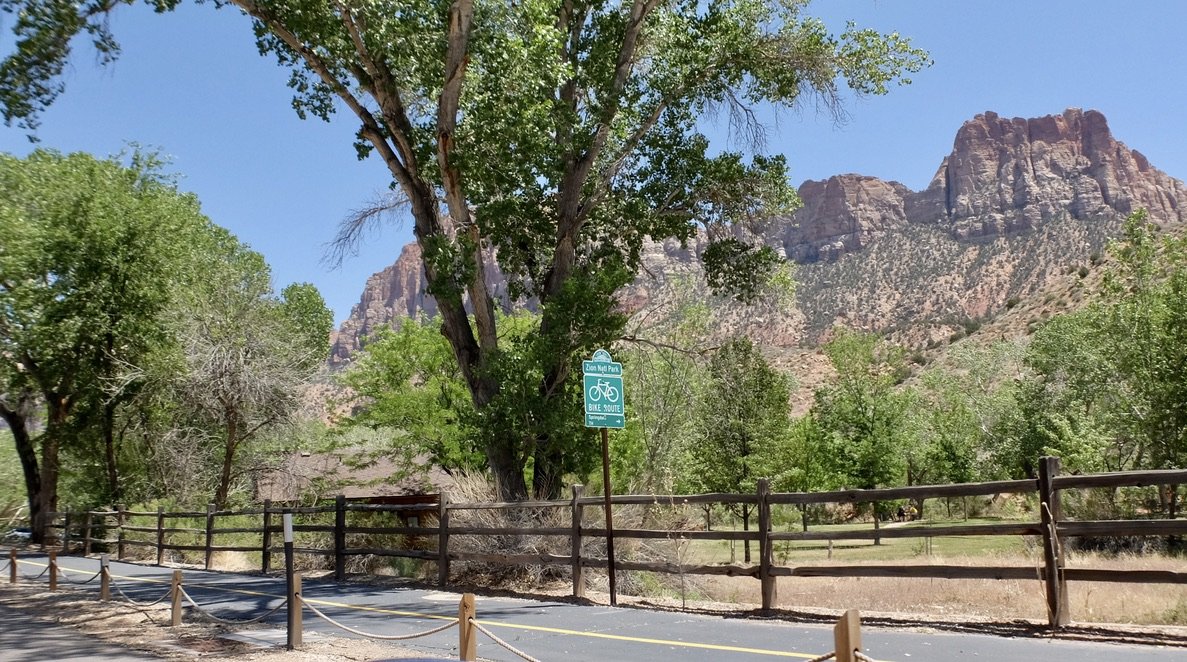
340 538
847 636
104 578
53 571
86 534
765 549
120 519
160 535
175 599
443 538
467 644
12 574
209 533
575 542
66 533
1049 504
295 629
266 545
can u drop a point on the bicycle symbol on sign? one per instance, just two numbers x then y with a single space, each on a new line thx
603 389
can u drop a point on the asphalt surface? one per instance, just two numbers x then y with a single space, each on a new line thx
24 638
542 629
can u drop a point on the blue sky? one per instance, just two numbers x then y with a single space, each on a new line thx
191 84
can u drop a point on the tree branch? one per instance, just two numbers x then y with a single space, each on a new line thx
372 130
386 93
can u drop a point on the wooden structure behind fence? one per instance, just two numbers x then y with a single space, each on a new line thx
336 524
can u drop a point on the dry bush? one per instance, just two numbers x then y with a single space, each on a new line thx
476 489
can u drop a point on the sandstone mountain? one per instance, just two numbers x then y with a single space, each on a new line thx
1016 205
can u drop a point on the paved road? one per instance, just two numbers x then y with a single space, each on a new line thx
562 631
26 639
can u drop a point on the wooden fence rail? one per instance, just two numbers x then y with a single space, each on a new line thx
330 531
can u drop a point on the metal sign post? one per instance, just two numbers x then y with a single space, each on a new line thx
609 516
292 586
605 407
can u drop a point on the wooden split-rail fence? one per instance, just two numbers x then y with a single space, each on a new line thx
427 531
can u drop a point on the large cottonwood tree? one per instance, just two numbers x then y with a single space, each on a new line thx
555 136
92 253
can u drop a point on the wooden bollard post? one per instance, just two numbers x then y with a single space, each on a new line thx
120 520
443 538
66 533
12 575
766 551
86 534
294 606
104 578
340 538
266 542
847 636
175 599
160 535
467 644
209 533
1053 561
53 571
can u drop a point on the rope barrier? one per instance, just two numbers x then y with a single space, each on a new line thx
66 575
386 637
135 602
226 621
822 658
863 657
502 643
39 576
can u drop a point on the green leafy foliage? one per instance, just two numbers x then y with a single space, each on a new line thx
408 383
742 413
1109 388
557 136
92 251
149 338
861 414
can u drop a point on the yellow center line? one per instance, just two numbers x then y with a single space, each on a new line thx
518 626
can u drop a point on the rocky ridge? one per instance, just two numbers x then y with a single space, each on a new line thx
1017 203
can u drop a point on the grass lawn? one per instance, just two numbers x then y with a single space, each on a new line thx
796 552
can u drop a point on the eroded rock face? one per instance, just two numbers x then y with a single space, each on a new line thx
396 292
1007 175
841 215
1015 203
1004 175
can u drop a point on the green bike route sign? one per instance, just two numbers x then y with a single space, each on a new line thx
604 401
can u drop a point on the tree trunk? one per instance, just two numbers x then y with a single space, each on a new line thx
17 419
507 470
114 492
51 444
224 478
547 481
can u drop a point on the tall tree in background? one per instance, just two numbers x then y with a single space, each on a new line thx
1109 390
742 413
561 133
246 355
861 412
89 260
